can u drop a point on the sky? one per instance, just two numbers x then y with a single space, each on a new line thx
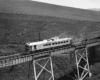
83 4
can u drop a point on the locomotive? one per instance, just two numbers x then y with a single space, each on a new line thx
46 44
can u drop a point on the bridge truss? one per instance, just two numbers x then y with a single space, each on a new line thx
82 63
45 64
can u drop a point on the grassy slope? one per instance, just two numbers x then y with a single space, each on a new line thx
16 28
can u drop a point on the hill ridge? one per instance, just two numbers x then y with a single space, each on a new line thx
33 7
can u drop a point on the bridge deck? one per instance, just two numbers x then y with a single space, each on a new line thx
19 58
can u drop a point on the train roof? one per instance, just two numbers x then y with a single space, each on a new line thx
36 43
46 41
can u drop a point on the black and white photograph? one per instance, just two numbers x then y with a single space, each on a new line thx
49 39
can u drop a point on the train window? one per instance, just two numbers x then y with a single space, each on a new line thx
53 43
66 41
43 45
46 45
58 42
61 42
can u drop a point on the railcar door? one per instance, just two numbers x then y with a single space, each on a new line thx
35 48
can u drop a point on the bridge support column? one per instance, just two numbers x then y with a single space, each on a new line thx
43 69
82 63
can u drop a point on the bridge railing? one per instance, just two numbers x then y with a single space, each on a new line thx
15 60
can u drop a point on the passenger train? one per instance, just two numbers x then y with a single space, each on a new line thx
46 44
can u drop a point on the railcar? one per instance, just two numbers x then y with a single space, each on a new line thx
45 44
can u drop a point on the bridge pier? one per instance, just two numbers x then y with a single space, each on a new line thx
43 64
82 63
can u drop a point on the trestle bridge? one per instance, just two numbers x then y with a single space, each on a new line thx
81 55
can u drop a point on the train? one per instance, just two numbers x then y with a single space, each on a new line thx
56 42
46 44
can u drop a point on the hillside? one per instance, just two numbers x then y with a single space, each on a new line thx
38 8
18 28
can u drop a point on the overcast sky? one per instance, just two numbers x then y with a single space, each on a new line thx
84 4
